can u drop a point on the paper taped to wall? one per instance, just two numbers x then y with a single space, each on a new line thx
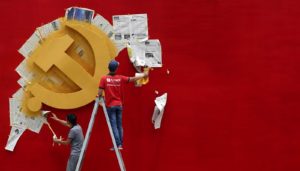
13 138
146 53
130 27
79 14
30 45
103 24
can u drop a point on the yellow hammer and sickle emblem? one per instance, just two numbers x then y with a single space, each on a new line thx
53 53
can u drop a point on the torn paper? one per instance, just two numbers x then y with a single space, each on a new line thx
103 24
13 138
160 103
146 53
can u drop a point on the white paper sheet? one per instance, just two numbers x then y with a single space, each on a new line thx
119 45
103 24
146 53
24 71
12 111
160 103
19 94
79 14
157 117
22 82
30 45
130 27
34 123
47 29
13 138
17 118
56 24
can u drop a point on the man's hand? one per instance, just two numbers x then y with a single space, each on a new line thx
146 72
56 140
54 117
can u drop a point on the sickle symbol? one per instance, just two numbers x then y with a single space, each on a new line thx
53 53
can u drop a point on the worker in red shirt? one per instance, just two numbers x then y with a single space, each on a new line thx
113 86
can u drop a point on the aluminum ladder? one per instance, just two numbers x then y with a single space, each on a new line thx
89 131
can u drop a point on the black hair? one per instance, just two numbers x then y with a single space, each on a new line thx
112 73
72 119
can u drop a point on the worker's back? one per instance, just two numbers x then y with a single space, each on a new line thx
113 86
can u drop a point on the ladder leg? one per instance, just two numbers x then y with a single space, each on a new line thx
117 151
87 135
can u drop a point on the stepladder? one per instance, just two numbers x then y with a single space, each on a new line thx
99 101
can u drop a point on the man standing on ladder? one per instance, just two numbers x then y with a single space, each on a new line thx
113 85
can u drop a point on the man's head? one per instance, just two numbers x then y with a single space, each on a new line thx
72 119
113 66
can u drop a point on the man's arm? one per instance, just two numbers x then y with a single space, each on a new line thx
100 92
60 141
63 122
135 78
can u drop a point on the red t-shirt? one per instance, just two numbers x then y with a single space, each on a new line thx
113 89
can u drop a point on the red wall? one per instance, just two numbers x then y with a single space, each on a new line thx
233 89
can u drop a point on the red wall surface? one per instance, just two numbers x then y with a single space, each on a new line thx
233 90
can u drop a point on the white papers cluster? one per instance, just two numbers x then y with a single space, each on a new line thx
36 38
160 103
49 28
128 28
79 14
146 54
132 31
19 121
103 25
